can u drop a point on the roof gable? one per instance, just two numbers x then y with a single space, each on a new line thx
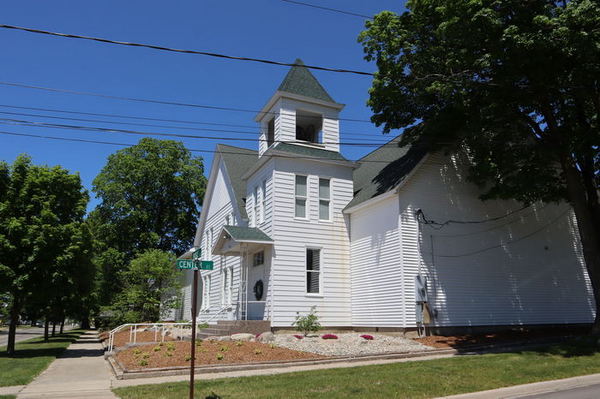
384 169
299 80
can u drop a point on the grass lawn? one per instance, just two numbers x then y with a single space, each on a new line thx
32 357
8 396
422 379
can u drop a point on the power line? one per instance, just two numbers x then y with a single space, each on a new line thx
328 9
73 139
175 50
10 121
254 133
423 219
163 102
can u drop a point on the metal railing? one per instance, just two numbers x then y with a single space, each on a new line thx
178 329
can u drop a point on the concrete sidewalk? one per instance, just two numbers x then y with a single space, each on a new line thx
79 372
536 388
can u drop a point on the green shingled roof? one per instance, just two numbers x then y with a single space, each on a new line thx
239 233
384 169
299 80
238 161
309 151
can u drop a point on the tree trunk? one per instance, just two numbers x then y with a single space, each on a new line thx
589 233
53 328
46 325
85 322
12 329
62 325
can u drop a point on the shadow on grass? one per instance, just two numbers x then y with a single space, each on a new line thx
40 348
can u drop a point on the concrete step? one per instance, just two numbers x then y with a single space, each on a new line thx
213 331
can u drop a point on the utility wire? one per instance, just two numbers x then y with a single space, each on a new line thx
255 154
509 241
175 50
11 121
422 218
254 132
328 9
163 102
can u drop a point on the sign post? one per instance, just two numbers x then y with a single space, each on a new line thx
194 264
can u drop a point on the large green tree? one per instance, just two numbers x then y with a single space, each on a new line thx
151 288
150 196
516 82
41 209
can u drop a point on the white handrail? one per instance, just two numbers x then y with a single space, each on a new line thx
216 314
133 329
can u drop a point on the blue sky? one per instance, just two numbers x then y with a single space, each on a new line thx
270 29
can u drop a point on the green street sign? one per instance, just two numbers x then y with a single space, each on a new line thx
197 254
185 264
206 265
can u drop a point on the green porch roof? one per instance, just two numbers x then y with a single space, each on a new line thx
241 234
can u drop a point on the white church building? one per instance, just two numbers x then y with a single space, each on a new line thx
380 243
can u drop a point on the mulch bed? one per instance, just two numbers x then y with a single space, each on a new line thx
172 354
458 341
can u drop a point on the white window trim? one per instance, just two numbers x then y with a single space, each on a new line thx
227 286
206 286
329 205
320 293
256 200
263 203
305 197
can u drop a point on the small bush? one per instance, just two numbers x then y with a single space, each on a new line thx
224 348
143 363
170 346
239 343
156 349
257 351
367 337
220 356
145 355
188 358
309 323
298 336
161 344
329 336
168 354
137 351
272 346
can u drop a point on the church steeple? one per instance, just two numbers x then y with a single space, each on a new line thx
301 112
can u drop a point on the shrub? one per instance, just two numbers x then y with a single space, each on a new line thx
298 336
257 351
329 336
220 356
224 348
137 351
170 346
307 324
272 346
156 349
367 337
168 354
143 363
188 358
145 355
239 343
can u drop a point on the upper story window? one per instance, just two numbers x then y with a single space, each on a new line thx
227 220
309 126
300 207
271 132
324 199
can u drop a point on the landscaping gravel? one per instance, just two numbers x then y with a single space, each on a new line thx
349 344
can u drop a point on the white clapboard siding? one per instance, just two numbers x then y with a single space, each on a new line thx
376 272
293 236
534 275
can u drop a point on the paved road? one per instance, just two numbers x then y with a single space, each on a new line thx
588 392
22 334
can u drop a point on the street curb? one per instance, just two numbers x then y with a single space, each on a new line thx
534 388
121 373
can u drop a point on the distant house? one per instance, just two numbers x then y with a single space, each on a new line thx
296 225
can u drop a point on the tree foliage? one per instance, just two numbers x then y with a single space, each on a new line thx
150 195
43 242
151 286
517 83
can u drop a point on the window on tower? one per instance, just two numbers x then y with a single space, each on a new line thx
309 126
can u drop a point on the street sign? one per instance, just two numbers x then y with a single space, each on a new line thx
206 265
185 264
197 254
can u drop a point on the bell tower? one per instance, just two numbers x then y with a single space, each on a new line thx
301 113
